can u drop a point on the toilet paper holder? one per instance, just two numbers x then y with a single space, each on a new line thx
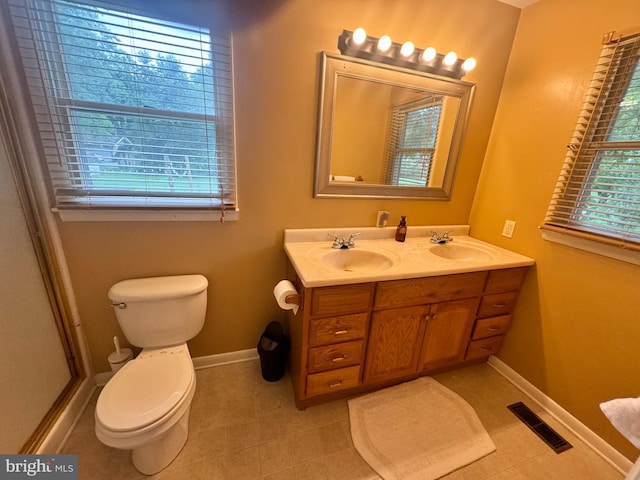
287 296
293 299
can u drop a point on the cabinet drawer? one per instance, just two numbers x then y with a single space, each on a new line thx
505 280
497 304
330 357
332 381
323 331
484 347
420 291
341 299
488 327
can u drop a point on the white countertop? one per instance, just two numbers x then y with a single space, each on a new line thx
307 250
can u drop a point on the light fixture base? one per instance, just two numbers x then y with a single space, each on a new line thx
368 49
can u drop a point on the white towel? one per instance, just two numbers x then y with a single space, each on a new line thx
634 473
624 414
343 178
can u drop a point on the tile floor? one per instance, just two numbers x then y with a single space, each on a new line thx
245 428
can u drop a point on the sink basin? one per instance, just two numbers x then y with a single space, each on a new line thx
452 251
351 260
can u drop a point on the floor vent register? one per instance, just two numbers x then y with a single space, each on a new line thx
547 434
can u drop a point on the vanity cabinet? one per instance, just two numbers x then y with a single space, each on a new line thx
337 323
407 340
394 343
494 314
349 339
431 329
447 335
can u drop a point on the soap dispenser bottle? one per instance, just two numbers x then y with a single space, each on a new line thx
401 231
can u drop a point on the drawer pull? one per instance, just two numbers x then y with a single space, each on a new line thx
334 384
487 349
494 329
337 359
341 332
499 305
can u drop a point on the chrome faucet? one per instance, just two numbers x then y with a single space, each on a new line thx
340 242
437 238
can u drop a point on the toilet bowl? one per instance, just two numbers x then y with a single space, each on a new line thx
145 407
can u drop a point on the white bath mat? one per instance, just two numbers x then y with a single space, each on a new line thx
417 430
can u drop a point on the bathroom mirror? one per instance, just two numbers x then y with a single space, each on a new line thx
387 132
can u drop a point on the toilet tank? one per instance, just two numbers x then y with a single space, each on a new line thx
160 311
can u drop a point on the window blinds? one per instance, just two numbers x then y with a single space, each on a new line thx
412 142
598 193
133 111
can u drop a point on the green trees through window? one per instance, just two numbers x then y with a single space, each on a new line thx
120 61
598 192
139 107
611 197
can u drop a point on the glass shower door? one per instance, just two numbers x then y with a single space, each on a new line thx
34 369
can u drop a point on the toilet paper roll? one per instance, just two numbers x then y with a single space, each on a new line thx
281 291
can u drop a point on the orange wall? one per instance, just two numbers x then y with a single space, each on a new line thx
576 332
276 59
360 151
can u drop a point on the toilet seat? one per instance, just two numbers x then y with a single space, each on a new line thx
146 389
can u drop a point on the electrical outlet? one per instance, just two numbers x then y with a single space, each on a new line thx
509 227
383 218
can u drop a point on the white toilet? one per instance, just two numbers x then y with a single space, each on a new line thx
145 406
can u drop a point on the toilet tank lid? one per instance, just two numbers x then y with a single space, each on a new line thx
157 288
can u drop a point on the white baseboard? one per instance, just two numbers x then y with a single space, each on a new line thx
596 443
225 358
101 379
62 428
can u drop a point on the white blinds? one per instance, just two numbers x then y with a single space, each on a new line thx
133 111
598 192
412 142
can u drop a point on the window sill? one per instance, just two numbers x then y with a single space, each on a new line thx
593 246
142 215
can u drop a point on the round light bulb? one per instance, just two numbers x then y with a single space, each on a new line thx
450 58
359 36
384 43
407 49
469 64
429 54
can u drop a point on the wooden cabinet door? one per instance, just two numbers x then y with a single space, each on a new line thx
395 338
448 332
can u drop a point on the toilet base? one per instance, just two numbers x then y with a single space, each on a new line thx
156 455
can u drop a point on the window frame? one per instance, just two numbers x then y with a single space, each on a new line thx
398 130
565 220
151 205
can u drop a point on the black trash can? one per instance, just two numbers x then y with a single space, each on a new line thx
273 348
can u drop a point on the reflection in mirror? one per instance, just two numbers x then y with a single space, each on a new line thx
385 131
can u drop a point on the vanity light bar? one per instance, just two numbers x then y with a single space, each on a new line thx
384 50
